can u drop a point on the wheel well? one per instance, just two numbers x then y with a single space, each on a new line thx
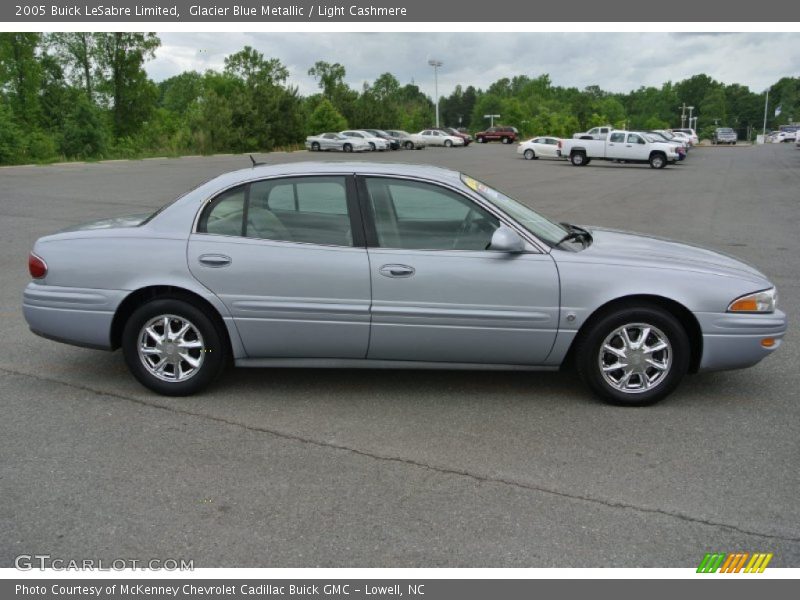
676 309
660 152
143 295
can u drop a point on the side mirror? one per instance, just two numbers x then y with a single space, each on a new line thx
505 239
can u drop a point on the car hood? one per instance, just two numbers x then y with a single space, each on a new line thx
610 245
114 223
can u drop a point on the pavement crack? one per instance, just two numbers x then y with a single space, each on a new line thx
413 463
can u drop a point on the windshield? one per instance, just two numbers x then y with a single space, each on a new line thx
542 227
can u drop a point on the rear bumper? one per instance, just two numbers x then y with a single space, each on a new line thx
734 341
77 316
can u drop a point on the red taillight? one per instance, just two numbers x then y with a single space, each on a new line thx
559 143
36 266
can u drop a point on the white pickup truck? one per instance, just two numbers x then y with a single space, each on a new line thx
623 146
595 133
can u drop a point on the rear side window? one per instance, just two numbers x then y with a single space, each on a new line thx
311 210
224 214
617 138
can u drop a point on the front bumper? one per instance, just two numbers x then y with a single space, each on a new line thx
734 341
77 316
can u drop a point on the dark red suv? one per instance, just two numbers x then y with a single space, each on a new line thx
507 135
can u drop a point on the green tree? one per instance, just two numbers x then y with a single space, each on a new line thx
77 51
325 118
132 96
21 74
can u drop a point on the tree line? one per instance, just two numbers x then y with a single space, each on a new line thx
87 96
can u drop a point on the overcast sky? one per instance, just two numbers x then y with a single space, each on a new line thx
617 62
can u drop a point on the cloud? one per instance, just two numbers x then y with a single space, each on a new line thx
617 62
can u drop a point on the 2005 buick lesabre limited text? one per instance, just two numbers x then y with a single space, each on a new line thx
393 266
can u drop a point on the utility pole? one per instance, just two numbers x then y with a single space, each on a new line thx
683 115
436 64
766 103
691 109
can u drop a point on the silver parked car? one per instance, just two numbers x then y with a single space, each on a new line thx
336 141
393 266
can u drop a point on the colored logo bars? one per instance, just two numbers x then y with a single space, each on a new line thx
714 562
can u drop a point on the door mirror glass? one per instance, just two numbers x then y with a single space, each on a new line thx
505 239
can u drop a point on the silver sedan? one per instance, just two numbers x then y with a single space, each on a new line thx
393 266
336 141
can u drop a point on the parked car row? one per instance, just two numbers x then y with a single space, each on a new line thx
658 147
367 140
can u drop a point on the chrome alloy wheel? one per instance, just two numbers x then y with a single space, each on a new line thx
635 358
171 348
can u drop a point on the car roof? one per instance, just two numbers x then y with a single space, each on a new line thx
335 168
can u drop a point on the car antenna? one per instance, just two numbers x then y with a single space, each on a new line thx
255 163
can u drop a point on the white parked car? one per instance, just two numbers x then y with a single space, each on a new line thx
546 146
690 134
375 143
336 141
435 137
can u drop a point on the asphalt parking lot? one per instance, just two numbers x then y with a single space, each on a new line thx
303 468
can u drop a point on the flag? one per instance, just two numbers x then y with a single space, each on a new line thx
777 110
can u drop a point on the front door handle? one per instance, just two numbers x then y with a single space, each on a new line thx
215 260
397 271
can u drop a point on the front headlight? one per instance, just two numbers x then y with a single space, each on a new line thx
758 302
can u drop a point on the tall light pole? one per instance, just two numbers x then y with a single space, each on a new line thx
436 64
766 103
691 109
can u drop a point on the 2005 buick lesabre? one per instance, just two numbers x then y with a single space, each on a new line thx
393 266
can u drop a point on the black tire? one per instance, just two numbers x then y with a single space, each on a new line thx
588 357
214 349
409 145
529 154
448 143
372 146
658 161
578 159
315 147
347 147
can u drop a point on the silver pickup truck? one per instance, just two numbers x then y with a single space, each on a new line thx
623 146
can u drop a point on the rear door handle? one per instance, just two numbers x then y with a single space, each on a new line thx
396 271
215 260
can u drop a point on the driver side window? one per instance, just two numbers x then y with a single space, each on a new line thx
420 216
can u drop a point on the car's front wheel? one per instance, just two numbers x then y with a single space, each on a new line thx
409 145
633 356
529 154
173 347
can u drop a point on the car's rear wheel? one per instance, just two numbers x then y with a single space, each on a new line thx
505 140
529 154
633 356
173 347
347 147
578 159
479 140
448 143
409 145
315 146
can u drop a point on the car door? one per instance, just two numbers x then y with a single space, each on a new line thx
330 142
286 256
635 148
615 145
549 147
438 294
